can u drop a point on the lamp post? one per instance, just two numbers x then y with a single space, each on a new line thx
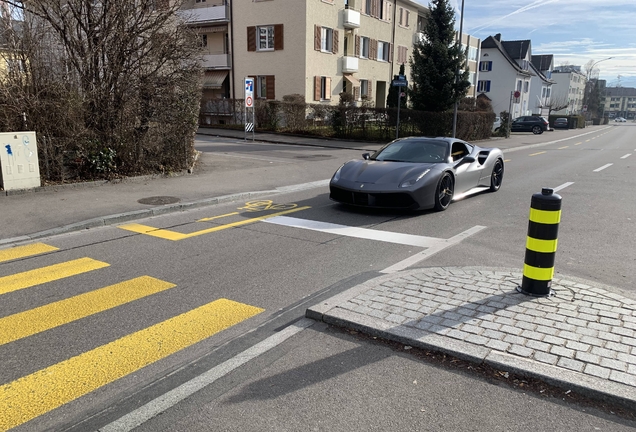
461 27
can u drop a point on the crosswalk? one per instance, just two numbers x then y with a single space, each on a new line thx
42 391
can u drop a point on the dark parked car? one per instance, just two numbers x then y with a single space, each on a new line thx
561 122
534 124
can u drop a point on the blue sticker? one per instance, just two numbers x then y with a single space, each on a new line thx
9 152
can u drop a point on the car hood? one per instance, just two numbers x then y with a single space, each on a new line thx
377 172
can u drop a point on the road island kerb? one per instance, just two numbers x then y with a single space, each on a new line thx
582 339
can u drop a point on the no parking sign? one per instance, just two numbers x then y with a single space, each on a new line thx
249 92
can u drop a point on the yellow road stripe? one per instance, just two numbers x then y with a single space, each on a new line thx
535 154
545 216
54 272
507 160
545 246
578 143
46 317
175 236
539 274
25 251
217 217
561 148
33 395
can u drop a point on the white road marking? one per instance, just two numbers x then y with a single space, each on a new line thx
171 398
433 250
603 167
563 186
550 142
626 156
363 233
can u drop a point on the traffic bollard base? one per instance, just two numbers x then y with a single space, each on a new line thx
549 293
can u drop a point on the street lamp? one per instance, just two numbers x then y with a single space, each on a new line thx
461 27
589 72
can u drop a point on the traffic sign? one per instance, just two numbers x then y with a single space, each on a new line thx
399 83
517 94
249 102
249 92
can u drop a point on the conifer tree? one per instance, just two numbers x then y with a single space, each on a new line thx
436 60
392 98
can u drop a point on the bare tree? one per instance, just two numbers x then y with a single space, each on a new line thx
557 103
123 74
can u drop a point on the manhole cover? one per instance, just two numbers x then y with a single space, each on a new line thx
159 200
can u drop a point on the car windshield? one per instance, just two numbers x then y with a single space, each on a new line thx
414 151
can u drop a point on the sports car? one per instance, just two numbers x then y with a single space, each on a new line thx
418 173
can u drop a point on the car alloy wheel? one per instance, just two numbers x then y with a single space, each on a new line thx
537 130
496 177
445 192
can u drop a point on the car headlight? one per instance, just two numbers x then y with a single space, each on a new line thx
336 176
411 182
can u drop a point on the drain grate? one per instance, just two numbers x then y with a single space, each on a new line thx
159 200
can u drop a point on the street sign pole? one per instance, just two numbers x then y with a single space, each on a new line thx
249 105
397 126
399 81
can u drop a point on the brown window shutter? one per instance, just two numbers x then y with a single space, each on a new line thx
357 46
278 37
317 36
328 88
270 84
251 38
335 47
370 90
356 93
373 49
316 88
375 8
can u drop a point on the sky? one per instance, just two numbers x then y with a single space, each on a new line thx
574 31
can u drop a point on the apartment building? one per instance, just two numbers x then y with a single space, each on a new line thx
569 89
471 46
505 70
620 102
541 84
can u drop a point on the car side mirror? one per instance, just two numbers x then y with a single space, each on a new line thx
366 156
465 160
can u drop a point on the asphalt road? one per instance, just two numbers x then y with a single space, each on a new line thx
269 271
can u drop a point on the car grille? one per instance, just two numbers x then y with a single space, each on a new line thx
385 200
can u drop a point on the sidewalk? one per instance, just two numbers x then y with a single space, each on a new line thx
582 339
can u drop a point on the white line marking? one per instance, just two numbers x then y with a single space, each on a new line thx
171 398
603 167
363 233
548 143
563 186
433 250
626 156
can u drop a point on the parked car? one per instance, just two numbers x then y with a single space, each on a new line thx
418 173
620 119
496 124
535 124
561 122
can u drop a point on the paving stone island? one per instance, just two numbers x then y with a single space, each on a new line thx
582 338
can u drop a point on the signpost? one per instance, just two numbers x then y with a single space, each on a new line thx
249 106
399 81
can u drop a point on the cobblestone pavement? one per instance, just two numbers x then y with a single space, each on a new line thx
582 338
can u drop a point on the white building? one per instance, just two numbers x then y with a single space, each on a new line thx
569 89
541 84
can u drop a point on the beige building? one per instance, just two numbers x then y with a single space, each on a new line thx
471 46
620 102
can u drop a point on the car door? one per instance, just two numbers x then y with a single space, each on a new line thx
466 174
518 124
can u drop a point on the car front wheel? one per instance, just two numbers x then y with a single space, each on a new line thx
496 177
444 193
537 130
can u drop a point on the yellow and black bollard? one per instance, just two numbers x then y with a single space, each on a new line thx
541 246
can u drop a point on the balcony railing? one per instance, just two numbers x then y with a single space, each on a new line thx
216 61
206 15
349 64
351 18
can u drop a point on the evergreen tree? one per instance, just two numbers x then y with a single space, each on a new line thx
435 61
392 98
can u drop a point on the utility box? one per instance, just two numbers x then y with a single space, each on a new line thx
19 166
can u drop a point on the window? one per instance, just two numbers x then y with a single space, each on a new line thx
266 38
401 16
265 86
364 88
367 7
364 47
485 66
526 87
483 86
325 88
471 78
519 84
204 40
472 54
326 39
384 49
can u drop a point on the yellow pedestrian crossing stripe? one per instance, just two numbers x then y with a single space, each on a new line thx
176 236
40 392
51 273
25 251
46 317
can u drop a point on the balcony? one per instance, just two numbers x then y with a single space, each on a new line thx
216 61
349 64
206 15
351 19
418 37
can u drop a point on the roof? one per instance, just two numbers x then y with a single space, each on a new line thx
518 49
620 91
494 42
543 62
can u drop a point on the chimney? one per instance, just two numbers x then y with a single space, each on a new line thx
498 37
